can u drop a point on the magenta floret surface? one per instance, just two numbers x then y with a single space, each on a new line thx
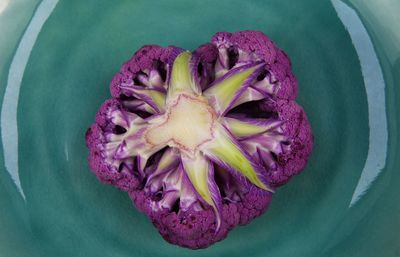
196 229
165 192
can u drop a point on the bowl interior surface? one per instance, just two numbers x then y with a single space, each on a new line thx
345 54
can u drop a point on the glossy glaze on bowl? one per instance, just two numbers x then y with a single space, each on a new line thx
56 63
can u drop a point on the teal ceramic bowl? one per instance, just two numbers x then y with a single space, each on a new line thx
57 58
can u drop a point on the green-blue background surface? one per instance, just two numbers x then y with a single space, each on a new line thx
67 212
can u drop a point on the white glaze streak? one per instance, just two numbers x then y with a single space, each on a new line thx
375 88
9 126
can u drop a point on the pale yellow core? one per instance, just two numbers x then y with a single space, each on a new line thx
187 124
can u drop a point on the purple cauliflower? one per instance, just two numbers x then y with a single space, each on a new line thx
201 140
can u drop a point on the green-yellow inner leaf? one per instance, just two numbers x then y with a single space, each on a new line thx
243 129
181 78
158 98
197 171
223 93
225 150
168 158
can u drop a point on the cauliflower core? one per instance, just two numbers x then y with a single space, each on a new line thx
201 140
187 124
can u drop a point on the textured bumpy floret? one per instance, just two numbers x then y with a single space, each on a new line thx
197 228
201 140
